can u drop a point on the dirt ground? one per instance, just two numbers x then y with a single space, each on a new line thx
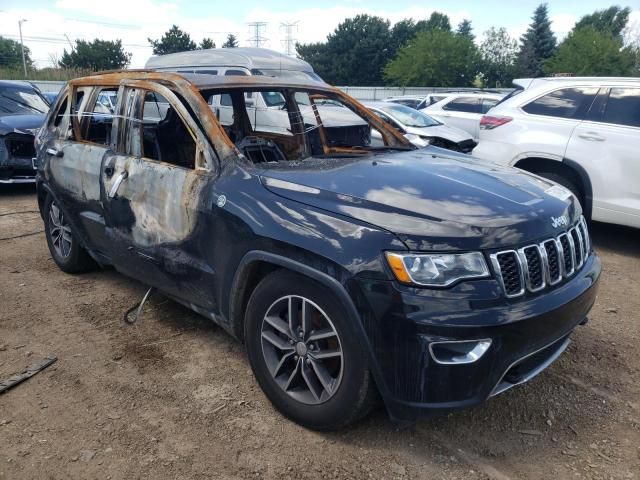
174 397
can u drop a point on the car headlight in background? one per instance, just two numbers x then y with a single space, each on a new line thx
437 269
417 140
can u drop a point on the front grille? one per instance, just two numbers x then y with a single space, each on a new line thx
511 271
21 147
553 261
533 267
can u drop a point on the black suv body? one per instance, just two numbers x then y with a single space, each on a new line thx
348 269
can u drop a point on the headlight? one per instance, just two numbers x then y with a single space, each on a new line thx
437 269
417 139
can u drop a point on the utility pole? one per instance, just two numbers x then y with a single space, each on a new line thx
289 41
24 62
257 40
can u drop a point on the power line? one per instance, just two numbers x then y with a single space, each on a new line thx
64 41
289 41
108 24
257 40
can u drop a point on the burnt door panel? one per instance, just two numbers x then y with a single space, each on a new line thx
154 214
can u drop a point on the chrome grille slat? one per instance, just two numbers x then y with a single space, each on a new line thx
579 247
536 266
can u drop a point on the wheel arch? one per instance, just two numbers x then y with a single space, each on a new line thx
568 168
257 263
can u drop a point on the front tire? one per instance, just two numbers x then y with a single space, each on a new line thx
305 355
63 244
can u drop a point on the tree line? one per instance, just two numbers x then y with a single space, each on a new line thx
100 54
368 50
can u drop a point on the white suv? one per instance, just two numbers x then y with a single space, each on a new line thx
583 133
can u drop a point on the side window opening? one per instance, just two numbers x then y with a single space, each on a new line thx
100 116
161 133
61 114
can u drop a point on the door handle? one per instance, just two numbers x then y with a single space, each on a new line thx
592 136
116 185
54 153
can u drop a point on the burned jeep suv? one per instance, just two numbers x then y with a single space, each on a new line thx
352 265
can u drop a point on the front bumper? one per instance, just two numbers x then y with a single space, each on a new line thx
17 155
526 335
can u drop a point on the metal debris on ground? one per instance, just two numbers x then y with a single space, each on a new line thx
28 373
131 316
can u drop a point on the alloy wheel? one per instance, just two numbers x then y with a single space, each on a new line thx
60 231
302 349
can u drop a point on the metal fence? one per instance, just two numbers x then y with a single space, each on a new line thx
360 93
48 85
378 93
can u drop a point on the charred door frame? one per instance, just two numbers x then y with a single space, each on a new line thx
154 209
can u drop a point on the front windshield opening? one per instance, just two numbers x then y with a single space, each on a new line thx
16 101
275 125
409 117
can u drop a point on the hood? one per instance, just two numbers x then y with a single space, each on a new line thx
429 199
24 124
453 134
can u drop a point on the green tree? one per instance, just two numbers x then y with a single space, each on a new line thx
612 20
354 54
498 53
96 55
465 29
207 43
11 54
402 32
174 40
435 57
590 52
437 20
537 44
231 42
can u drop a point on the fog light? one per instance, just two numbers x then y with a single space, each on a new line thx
459 352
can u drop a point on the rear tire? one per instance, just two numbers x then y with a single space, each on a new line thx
63 243
305 355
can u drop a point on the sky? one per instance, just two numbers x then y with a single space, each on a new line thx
51 25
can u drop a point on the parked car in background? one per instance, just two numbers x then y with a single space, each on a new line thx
235 61
408 100
463 110
350 265
420 129
50 97
583 133
22 112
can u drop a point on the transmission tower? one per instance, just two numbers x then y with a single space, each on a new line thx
257 39
289 41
